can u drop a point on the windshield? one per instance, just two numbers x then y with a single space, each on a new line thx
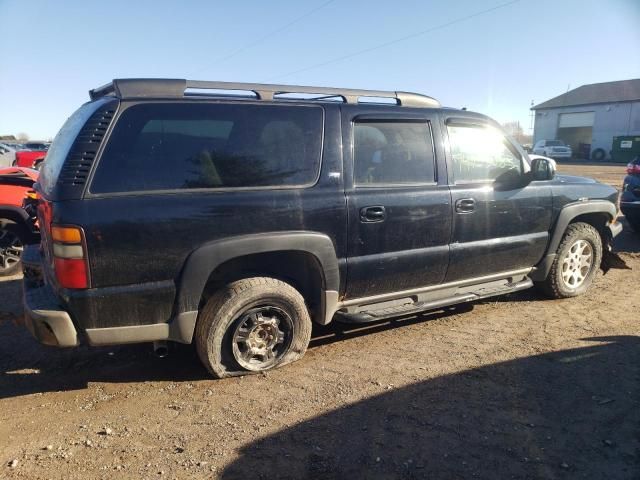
555 143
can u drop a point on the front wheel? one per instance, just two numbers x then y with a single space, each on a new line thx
252 325
577 260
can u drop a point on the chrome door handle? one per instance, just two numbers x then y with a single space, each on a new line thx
465 205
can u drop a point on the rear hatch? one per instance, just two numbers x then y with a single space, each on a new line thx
63 179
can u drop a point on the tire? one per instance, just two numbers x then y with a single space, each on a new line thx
598 155
12 241
244 321
577 260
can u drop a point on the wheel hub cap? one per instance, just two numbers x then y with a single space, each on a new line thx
577 264
10 249
261 337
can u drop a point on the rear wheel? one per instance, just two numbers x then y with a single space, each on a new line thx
577 260
252 325
598 155
12 240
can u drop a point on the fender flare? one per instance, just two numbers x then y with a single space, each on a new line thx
205 259
18 216
566 216
15 214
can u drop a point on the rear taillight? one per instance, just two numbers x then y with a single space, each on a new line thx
633 168
69 256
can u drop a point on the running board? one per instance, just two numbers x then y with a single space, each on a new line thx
411 305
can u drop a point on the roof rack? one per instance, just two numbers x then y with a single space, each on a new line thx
177 88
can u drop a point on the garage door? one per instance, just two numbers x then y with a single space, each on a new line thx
571 120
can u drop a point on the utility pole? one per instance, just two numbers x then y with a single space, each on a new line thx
532 115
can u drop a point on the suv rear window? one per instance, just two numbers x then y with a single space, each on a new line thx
393 153
59 149
169 146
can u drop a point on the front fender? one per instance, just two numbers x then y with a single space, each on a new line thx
567 215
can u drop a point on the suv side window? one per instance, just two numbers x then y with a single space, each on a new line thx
393 153
173 146
481 154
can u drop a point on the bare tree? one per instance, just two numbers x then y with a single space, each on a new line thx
515 130
22 137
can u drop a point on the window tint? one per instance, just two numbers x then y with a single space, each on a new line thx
180 146
393 153
481 154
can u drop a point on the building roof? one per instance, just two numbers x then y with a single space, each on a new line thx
607 92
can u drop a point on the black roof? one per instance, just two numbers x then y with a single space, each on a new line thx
607 92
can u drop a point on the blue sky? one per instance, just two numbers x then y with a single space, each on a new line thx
53 52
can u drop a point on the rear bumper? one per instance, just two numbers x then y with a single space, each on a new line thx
44 318
50 322
47 321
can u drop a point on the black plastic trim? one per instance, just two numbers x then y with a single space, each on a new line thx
203 261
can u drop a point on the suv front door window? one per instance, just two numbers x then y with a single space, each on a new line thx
482 154
495 229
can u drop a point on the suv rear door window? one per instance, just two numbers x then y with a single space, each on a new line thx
393 153
172 146
481 154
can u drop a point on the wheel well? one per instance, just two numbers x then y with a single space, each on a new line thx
301 270
597 220
8 216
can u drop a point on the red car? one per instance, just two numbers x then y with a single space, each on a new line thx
18 225
29 158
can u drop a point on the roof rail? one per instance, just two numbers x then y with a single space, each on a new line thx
176 88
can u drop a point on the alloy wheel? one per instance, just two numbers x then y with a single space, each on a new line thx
577 264
261 337
10 249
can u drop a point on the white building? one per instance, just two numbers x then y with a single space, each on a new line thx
588 117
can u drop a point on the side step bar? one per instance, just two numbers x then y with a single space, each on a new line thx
408 306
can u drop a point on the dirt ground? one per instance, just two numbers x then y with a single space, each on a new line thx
517 387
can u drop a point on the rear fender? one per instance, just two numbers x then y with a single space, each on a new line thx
204 260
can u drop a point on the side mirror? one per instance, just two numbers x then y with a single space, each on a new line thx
543 168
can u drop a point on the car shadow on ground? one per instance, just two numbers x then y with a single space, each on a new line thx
27 367
567 414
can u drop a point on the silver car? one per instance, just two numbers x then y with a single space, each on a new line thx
7 155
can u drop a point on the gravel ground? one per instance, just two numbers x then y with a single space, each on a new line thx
516 387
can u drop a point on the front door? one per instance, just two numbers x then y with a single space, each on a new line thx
499 223
399 204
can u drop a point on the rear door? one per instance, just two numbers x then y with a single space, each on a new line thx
398 202
500 223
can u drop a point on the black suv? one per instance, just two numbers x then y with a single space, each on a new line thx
235 215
